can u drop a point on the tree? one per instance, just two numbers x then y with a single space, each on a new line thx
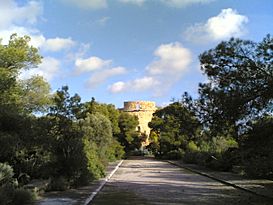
65 136
128 136
108 110
15 57
97 141
16 105
240 75
35 94
175 126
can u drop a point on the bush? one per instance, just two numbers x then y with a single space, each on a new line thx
175 154
6 174
6 194
116 151
10 195
94 165
218 163
22 196
58 184
190 157
257 152
192 147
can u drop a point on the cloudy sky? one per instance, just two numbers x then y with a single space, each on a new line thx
120 50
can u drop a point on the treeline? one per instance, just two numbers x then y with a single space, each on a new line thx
230 124
55 136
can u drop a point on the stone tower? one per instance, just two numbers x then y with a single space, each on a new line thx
144 111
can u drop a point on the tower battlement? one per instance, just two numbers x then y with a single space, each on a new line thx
131 106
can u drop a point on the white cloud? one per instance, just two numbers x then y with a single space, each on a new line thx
14 16
136 2
144 83
225 25
137 85
88 4
20 19
12 13
99 77
37 39
49 68
100 4
57 44
117 87
184 3
103 20
173 59
90 64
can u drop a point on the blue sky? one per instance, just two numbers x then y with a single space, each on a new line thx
120 50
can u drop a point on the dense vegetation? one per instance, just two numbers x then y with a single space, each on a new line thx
58 138
231 123
55 136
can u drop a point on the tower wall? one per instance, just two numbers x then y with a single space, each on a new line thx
143 110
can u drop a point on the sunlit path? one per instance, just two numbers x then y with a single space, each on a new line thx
146 181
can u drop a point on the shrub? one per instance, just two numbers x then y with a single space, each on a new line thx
6 174
94 165
192 147
11 195
257 152
115 151
175 154
22 197
6 194
190 157
58 184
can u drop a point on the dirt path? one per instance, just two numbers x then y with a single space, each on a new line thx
147 181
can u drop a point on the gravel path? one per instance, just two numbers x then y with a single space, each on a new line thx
147 181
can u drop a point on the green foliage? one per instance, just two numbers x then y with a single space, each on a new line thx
257 148
14 57
128 136
238 90
174 154
116 151
35 94
173 127
192 147
21 197
108 110
71 144
9 193
97 140
95 167
6 174
59 183
240 76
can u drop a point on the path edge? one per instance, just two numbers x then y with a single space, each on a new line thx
94 193
219 180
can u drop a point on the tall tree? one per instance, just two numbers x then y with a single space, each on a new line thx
14 57
240 74
128 136
175 126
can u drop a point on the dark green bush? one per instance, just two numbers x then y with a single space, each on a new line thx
256 146
6 174
175 154
22 197
58 184
190 157
10 195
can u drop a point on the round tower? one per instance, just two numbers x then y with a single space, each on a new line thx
144 111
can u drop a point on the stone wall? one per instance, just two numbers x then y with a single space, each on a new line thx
143 110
